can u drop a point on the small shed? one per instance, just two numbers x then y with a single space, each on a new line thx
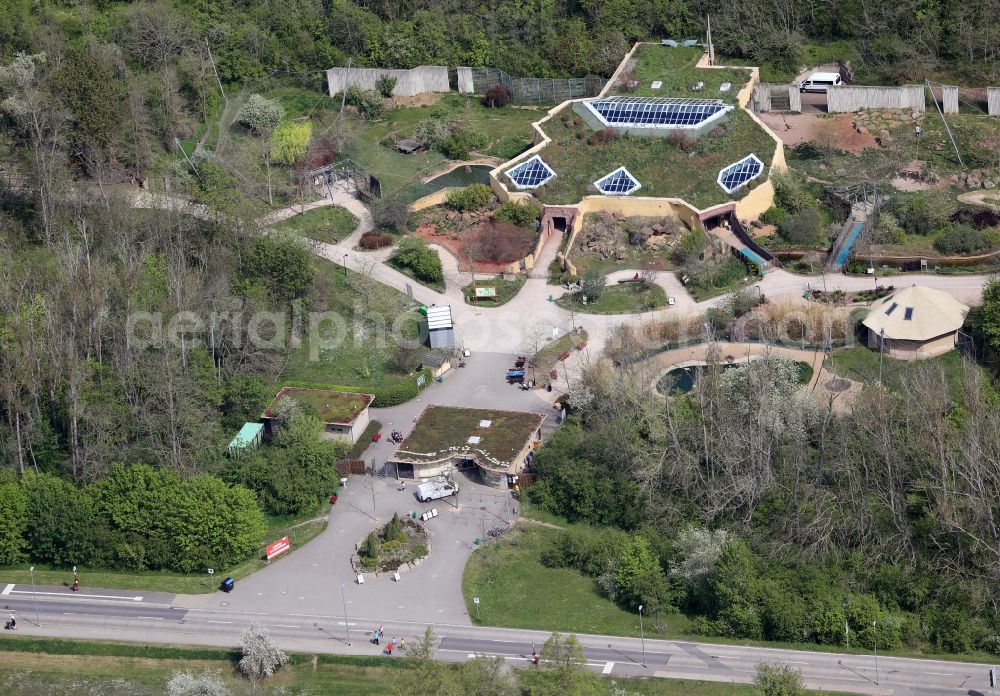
408 145
250 435
437 361
440 327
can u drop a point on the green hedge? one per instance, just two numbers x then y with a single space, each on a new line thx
384 396
366 439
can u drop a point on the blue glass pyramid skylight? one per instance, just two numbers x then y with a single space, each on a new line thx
736 175
655 112
530 174
618 183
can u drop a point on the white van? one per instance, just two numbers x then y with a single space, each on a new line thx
435 490
820 82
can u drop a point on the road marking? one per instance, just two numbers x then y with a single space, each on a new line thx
7 589
608 667
284 626
75 596
152 618
792 662
76 613
941 674
341 623
219 622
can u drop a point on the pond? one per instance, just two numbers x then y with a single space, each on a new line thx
459 176
681 379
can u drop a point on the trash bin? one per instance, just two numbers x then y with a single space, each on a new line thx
227 585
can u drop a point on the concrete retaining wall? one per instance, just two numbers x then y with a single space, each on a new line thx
425 78
849 98
949 95
993 101
465 82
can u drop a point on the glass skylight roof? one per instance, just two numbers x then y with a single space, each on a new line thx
655 112
530 174
618 183
736 175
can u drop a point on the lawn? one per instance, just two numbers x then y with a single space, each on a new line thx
300 530
664 167
675 68
515 590
505 289
331 406
861 364
330 224
353 344
507 132
624 298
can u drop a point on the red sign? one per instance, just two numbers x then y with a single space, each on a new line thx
277 548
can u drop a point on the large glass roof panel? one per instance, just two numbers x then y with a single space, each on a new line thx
656 111
739 173
530 174
618 183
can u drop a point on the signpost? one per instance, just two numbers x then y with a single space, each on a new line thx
475 600
277 548
484 292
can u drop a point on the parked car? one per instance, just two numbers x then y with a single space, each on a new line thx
436 489
820 82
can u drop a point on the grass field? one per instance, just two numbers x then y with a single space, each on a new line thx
330 224
861 364
348 352
299 530
625 298
675 68
664 168
507 132
517 591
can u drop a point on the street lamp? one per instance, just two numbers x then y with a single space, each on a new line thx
875 638
34 597
881 348
642 637
345 265
347 624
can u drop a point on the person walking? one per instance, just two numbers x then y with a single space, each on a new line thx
13 622
388 650
375 636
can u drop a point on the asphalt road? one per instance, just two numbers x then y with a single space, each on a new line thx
117 615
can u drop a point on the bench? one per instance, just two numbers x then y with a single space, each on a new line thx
564 355
581 345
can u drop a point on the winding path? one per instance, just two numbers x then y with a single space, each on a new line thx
502 329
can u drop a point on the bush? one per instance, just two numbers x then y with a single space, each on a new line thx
773 216
606 135
260 115
801 228
459 142
496 96
368 102
778 680
414 254
375 240
385 84
432 133
517 214
962 239
789 193
391 214
471 197
980 218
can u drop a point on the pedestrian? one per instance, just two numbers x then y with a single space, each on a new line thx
388 650
76 585
13 622
402 643
375 636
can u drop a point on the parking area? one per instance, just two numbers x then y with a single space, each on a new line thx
309 580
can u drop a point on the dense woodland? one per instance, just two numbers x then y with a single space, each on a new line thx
764 514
